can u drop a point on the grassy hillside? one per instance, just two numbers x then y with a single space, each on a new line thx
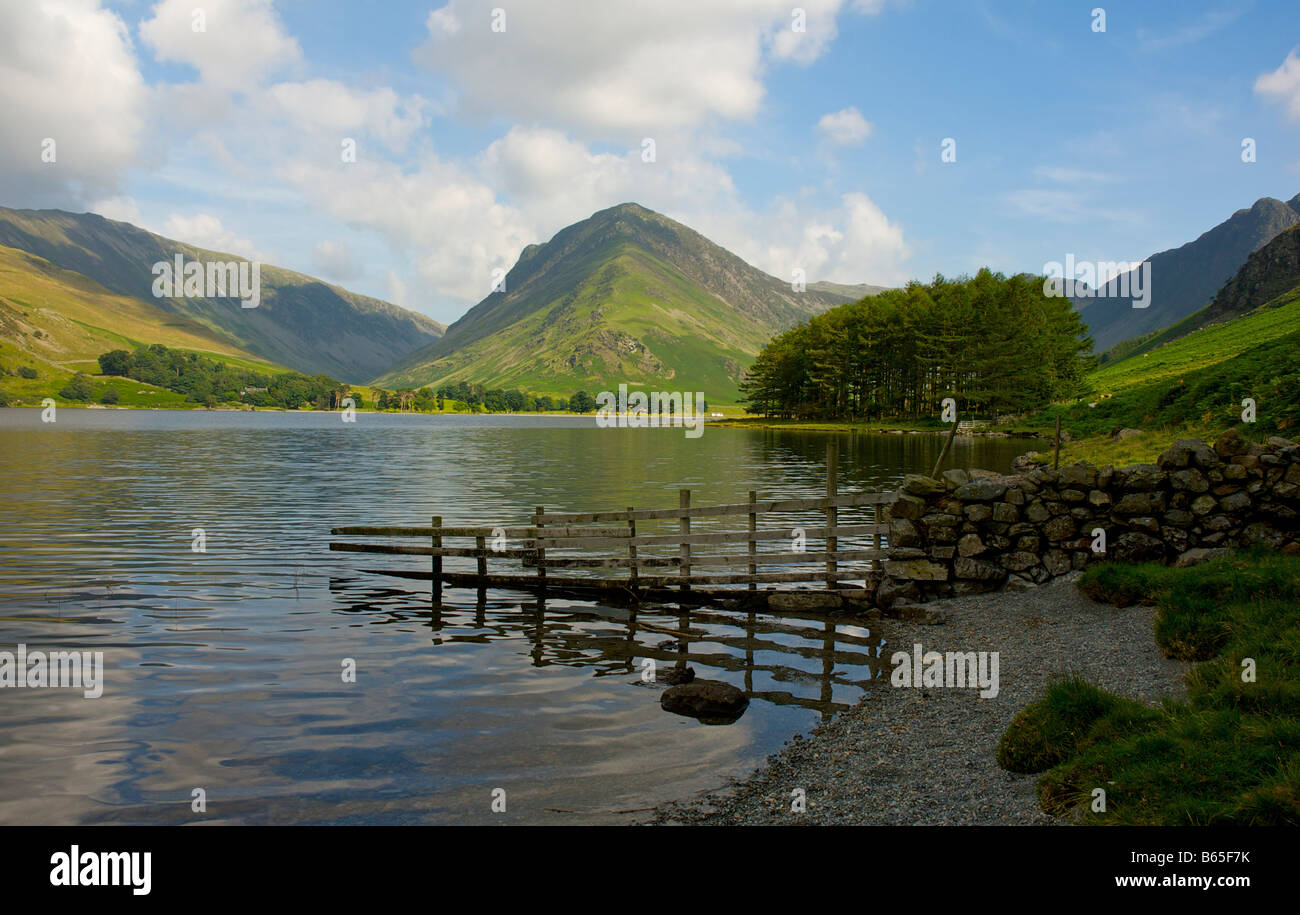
1166 361
1193 386
626 296
57 322
61 316
301 322
636 320
1185 279
851 293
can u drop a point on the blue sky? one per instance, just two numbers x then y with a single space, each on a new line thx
817 149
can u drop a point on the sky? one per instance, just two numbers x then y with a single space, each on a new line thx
407 150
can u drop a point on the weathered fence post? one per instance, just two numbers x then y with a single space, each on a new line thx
631 547
946 445
541 551
480 544
875 537
753 544
437 559
832 513
1056 462
684 526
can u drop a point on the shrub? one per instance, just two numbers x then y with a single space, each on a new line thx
1124 584
27 371
79 388
1048 732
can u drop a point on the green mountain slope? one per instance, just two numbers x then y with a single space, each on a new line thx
55 323
62 317
1243 346
1185 279
1270 274
626 296
852 293
301 323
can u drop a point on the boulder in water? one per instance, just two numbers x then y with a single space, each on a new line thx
711 701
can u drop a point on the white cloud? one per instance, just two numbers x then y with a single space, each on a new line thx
206 231
441 216
1066 206
334 260
1206 25
846 127
1283 84
1044 203
576 64
241 42
67 73
396 290
323 105
554 180
122 208
853 243
1068 175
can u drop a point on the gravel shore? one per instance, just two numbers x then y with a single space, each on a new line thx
907 756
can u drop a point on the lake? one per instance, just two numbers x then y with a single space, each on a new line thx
222 668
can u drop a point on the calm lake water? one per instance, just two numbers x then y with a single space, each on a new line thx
222 669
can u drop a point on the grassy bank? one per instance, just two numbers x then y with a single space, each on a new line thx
1190 387
912 425
1229 753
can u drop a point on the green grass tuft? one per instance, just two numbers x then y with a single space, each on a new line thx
1047 732
1227 754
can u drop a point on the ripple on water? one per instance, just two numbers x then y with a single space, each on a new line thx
224 668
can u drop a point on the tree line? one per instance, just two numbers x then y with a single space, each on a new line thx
499 400
210 382
996 344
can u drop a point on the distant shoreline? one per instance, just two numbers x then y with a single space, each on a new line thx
885 428
738 422
199 408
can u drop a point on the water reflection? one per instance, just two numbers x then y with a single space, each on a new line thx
803 660
222 669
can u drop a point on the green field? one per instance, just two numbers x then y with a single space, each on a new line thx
1192 386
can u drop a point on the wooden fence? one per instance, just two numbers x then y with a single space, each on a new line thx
547 542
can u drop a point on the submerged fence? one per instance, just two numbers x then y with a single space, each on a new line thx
609 547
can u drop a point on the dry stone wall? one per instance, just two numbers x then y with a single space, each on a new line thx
976 531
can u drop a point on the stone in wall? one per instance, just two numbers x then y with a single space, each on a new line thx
975 530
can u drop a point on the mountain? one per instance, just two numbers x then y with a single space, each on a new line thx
1270 274
61 317
625 296
301 322
1185 279
852 293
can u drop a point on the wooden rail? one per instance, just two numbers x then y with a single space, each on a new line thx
548 542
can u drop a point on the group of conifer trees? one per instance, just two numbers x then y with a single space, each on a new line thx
996 344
